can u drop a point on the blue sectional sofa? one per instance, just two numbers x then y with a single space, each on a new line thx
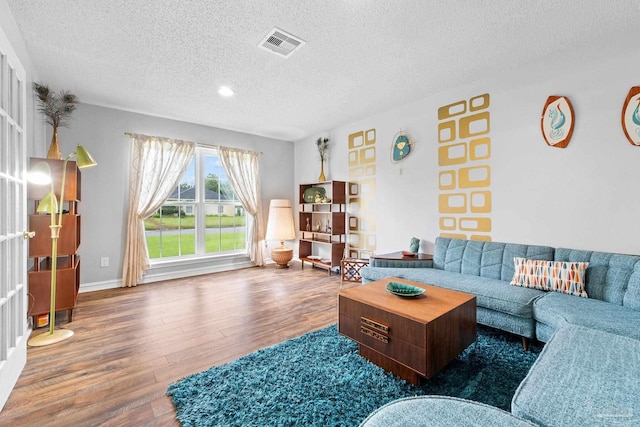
589 370
485 269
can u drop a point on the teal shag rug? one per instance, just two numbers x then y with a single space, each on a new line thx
319 379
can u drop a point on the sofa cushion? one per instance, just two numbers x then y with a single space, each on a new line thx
493 260
610 276
558 310
490 293
440 411
583 377
558 276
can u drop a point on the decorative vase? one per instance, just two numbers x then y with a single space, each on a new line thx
54 148
322 178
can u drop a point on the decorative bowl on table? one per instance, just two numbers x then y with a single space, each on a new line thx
404 290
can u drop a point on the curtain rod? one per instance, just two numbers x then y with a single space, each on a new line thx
198 144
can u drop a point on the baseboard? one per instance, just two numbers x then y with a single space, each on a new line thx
100 286
159 274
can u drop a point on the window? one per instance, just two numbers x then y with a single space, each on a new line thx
202 216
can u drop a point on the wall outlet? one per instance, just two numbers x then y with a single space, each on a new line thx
104 262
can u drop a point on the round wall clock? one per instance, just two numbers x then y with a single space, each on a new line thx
401 146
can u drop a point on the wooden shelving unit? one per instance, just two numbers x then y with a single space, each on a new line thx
68 262
323 226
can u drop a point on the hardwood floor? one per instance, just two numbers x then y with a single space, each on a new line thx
130 344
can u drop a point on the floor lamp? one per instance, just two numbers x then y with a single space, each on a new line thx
280 227
49 204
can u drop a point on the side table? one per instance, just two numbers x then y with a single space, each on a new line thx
397 259
350 269
398 256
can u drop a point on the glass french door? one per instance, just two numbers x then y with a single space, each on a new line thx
13 220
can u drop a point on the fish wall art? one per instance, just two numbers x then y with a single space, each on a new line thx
557 121
631 116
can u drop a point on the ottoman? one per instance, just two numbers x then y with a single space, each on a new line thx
583 377
440 411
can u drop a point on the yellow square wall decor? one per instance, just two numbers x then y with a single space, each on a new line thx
464 177
362 158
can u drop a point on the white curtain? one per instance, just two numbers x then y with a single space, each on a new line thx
243 170
157 164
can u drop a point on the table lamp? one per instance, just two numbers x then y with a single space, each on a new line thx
280 227
49 204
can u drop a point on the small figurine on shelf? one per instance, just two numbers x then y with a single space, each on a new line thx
318 226
327 227
308 225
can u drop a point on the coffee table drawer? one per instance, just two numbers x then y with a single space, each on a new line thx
398 338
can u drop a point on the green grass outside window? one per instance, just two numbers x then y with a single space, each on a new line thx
178 245
189 222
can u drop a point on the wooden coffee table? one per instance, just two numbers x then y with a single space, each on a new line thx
413 337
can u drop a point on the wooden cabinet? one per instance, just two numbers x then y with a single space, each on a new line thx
68 262
322 224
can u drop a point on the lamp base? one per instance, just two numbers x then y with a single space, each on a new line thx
281 256
50 337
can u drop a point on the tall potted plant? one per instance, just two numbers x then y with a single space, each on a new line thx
323 148
57 108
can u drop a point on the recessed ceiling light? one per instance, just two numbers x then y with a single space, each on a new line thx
225 91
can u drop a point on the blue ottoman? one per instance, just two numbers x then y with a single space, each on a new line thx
440 411
583 377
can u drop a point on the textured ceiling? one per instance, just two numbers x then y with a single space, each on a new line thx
168 57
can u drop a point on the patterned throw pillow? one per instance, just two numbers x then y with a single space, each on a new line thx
565 277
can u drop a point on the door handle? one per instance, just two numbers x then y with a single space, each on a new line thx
28 234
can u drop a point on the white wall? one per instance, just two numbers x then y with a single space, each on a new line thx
585 196
104 206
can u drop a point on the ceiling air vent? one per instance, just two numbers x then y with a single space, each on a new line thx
280 42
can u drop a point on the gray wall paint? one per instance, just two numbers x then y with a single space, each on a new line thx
104 206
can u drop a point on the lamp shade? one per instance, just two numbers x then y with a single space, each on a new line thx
48 204
40 174
83 158
280 223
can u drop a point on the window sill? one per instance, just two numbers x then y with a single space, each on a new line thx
174 268
193 259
